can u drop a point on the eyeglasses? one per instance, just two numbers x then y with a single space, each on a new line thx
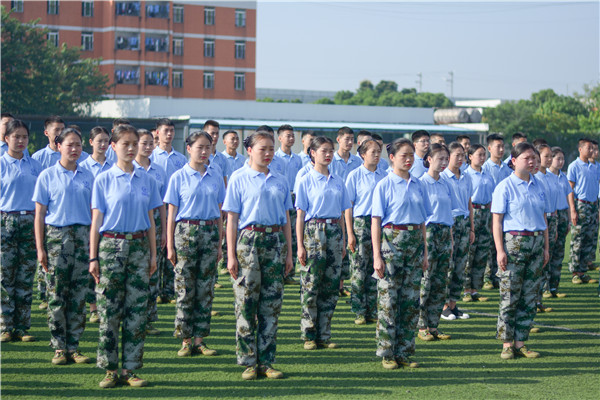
423 141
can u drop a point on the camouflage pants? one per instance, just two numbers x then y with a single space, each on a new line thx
68 282
480 250
320 279
258 294
293 214
166 275
583 237
519 286
557 252
17 268
456 275
398 292
435 280
363 298
552 229
122 295
153 282
195 275
222 264
41 282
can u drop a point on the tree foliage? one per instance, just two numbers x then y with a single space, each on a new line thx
39 78
386 94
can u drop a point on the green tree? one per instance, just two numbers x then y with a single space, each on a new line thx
39 78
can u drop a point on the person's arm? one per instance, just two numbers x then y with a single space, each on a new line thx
348 215
572 208
425 252
170 229
472 223
498 233
38 225
97 219
287 232
162 210
343 228
232 228
378 263
300 236
152 240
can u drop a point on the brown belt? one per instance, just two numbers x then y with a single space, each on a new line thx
126 236
525 233
410 227
587 202
264 229
482 206
200 222
19 212
325 220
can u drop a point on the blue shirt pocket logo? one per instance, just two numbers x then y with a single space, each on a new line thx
145 191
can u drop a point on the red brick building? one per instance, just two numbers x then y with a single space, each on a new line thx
181 49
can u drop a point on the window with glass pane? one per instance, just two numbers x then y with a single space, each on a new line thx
209 48
177 79
240 50
87 41
209 16
53 38
209 80
178 14
53 7
178 46
17 6
240 81
240 18
87 8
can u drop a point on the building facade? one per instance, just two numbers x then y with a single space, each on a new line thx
164 49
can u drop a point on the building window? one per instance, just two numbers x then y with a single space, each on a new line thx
209 16
53 38
157 10
209 80
87 41
127 41
17 6
240 50
240 18
178 46
209 48
157 43
239 81
53 7
177 79
127 75
131 8
157 77
178 14
87 8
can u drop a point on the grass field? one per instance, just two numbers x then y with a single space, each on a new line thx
466 367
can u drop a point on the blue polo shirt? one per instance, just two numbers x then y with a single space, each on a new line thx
293 164
220 160
48 157
158 174
342 168
196 195
360 185
66 194
169 162
564 188
440 200
305 158
17 182
418 169
95 167
585 177
482 186
258 199
550 188
111 155
233 163
522 203
4 149
400 202
497 172
322 196
125 199
461 188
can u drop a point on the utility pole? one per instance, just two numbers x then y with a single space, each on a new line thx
451 79
420 81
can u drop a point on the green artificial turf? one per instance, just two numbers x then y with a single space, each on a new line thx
466 367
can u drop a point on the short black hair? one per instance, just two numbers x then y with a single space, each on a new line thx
376 136
462 137
265 128
53 119
419 134
211 122
308 132
397 144
229 132
164 122
285 127
519 135
120 121
540 141
345 130
494 137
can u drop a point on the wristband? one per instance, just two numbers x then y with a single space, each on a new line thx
93 259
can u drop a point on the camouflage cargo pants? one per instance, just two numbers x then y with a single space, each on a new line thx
435 280
293 214
17 268
557 252
258 292
195 275
398 292
320 279
222 264
41 282
583 237
122 295
460 254
552 230
166 275
519 286
480 250
153 282
68 282
363 298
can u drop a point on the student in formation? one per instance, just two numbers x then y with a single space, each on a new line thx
421 142
18 175
123 257
498 171
360 185
583 178
321 199
520 233
259 246
110 153
479 251
399 211
97 162
216 158
142 160
437 138
63 216
306 137
465 142
517 138
434 283
565 203
4 120
194 229
383 164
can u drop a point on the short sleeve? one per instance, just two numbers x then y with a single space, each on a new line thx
346 204
221 195
572 172
99 196
500 199
351 187
41 192
155 199
301 195
172 192
426 203
378 203
232 202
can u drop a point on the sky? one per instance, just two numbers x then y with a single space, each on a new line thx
505 50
